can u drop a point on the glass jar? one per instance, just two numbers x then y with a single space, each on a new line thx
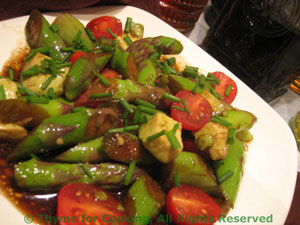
258 40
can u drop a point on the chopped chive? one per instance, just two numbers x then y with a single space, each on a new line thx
129 173
214 93
63 65
192 68
175 128
211 77
47 83
32 71
66 57
178 108
136 115
173 140
103 80
53 68
128 40
2 93
171 61
231 135
170 97
158 44
221 120
86 170
124 129
78 109
42 50
156 135
143 119
29 56
166 67
50 93
36 99
176 179
77 36
169 43
128 24
26 91
190 73
173 71
126 105
154 55
225 176
97 51
101 95
147 110
202 81
111 33
124 116
158 63
195 89
54 28
34 156
115 43
107 48
69 49
186 106
144 103
90 34
43 64
10 73
228 90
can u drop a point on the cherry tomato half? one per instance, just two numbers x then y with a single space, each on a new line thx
75 56
85 204
98 26
187 202
225 81
200 110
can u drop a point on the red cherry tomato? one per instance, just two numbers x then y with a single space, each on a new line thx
225 81
98 26
186 202
200 111
75 56
87 204
109 73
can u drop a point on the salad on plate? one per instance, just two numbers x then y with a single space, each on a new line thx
101 125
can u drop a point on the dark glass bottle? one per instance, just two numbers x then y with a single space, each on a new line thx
258 40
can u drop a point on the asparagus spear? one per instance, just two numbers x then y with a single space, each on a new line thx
68 27
82 72
65 130
127 89
18 110
39 34
147 72
143 48
144 199
87 152
36 175
124 63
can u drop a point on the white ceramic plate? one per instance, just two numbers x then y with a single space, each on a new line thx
270 171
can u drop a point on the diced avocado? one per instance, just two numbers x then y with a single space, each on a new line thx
233 163
192 170
160 147
34 83
217 106
144 200
241 120
219 147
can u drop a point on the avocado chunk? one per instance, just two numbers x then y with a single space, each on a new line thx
192 170
144 200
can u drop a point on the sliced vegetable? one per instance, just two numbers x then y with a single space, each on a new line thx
75 56
187 202
98 26
223 88
88 204
200 111
144 199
